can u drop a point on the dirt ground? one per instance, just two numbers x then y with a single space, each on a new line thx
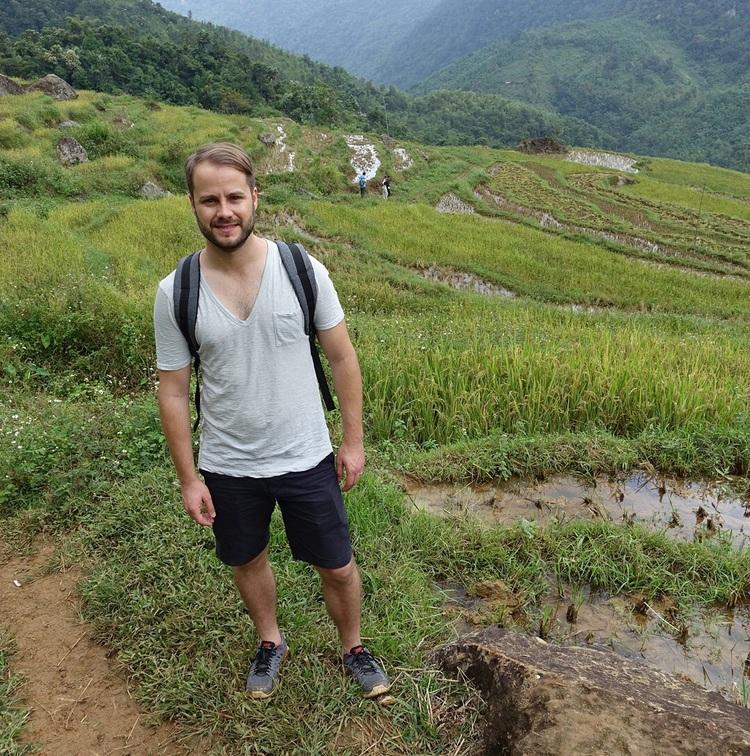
79 698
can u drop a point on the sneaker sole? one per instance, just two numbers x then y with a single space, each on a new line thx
378 690
262 695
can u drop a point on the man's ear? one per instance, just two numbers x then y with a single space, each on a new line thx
192 201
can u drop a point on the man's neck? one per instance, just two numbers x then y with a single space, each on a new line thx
252 251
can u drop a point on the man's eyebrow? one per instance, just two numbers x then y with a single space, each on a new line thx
232 193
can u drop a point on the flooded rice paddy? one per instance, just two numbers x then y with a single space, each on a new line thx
681 509
711 648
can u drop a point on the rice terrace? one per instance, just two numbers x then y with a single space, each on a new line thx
557 416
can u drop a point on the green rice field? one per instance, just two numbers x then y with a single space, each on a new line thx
599 355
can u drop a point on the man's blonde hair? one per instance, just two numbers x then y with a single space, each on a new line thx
220 153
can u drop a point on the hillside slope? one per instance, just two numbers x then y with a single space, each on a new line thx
353 35
650 85
186 62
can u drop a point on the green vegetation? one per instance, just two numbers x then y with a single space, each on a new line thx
12 716
137 47
460 386
658 80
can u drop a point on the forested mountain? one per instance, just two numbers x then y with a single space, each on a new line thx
357 36
390 41
677 85
137 47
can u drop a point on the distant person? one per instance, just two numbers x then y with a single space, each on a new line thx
264 438
362 181
386 184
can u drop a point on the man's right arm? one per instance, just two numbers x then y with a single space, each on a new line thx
174 411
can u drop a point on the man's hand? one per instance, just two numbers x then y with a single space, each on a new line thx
350 462
197 501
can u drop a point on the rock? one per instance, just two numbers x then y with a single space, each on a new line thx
267 138
541 146
121 120
71 152
55 87
68 125
150 190
545 699
622 180
9 87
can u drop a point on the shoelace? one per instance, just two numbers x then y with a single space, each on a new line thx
263 661
365 662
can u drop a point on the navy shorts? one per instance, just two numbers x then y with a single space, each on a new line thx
311 505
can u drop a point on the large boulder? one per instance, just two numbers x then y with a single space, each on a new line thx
71 152
55 87
9 87
542 146
150 190
563 700
267 138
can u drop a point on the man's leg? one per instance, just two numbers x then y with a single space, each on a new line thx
257 586
342 591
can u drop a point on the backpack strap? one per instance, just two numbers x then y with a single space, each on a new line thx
299 269
187 285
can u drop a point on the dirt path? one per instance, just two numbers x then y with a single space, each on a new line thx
79 697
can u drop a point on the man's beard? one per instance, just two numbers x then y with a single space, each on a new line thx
224 244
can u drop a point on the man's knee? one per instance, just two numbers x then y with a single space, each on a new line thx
340 576
257 563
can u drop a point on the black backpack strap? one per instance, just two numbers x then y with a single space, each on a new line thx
187 285
299 269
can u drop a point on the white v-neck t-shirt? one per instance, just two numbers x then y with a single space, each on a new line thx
260 404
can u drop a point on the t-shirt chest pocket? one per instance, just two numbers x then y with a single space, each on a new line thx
288 327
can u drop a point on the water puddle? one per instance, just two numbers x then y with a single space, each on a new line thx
452 203
603 160
402 159
683 510
364 157
464 281
712 650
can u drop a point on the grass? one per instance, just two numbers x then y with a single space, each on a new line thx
185 634
527 261
12 713
459 387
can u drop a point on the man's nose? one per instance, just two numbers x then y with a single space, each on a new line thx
224 207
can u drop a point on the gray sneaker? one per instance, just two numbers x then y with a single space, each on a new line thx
367 673
263 676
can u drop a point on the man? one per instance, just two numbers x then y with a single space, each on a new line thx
362 182
264 437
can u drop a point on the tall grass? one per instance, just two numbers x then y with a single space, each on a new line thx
528 261
458 386
12 713
545 372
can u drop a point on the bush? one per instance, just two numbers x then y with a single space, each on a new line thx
11 136
35 177
100 139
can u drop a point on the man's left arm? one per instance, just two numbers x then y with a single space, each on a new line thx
347 381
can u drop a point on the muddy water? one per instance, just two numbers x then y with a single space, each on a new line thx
683 510
712 650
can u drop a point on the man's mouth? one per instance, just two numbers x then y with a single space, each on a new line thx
226 229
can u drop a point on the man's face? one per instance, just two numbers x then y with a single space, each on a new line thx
224 205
